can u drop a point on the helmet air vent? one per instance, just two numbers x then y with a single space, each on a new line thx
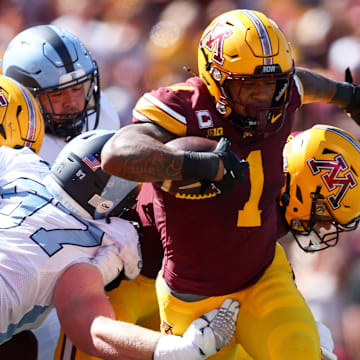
328 151
18 110
298 194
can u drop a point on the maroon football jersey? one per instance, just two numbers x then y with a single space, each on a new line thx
220 245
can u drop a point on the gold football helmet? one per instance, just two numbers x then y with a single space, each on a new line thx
21 122
321 197
246 45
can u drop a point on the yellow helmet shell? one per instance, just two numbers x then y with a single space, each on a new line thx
235 44
327 158
21 121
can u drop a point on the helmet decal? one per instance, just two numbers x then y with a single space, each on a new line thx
281 92
331 178
263 36
215 37
92 162
101 205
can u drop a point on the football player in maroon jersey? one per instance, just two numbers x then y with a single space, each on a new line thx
316 222
247 92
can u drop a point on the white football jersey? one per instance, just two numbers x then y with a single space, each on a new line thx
49 331
108 120
40 239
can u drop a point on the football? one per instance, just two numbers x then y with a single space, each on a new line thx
189 189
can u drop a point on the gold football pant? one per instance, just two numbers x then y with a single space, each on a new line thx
134 301
274 322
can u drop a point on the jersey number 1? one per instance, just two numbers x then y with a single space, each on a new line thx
250 215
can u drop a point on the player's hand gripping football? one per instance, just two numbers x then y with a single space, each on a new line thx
233 168
203 338
353 109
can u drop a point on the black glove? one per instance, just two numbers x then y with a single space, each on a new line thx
353 109
234 168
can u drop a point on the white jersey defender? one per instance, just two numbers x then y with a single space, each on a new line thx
40 239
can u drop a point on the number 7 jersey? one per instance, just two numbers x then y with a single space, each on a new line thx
39 239
220 245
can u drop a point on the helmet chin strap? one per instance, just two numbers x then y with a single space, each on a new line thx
253 124
261 120
66 130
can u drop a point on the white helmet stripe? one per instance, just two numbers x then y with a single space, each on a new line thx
32 118
263 36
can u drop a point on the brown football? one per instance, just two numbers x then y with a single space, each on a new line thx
189 189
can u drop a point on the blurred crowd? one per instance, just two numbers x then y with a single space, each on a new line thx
143 44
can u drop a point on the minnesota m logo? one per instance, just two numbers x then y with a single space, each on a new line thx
215 38
331 178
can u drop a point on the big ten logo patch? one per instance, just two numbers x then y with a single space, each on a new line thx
215 132
331 178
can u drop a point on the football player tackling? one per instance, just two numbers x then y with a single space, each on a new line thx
62 241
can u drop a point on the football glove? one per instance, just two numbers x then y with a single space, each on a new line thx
326 341
120 252
353 109
203 338
233 169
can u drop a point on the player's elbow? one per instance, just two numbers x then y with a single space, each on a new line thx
110 158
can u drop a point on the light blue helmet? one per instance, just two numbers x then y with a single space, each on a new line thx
47 59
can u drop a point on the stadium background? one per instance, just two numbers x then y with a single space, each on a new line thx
143 44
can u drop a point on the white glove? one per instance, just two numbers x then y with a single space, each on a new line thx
326 341
203 338
124 239
108 261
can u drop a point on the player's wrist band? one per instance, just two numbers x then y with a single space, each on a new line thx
200 165
343 95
